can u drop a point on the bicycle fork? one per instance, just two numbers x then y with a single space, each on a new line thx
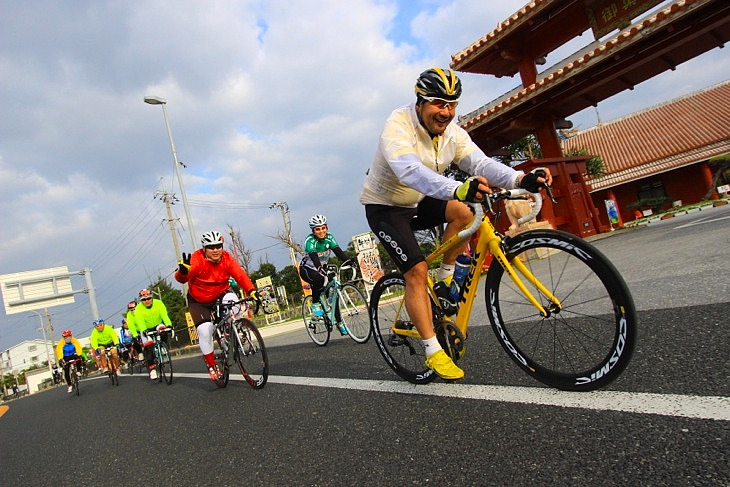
497 252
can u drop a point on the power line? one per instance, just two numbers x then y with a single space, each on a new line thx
224 205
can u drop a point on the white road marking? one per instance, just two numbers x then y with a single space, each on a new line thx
702 220
677 405
699 407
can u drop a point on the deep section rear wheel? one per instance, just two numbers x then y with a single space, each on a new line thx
316 326
588 338
250 353
355 313
404 352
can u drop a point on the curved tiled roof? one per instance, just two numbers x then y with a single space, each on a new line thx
503 29
674 134
602 50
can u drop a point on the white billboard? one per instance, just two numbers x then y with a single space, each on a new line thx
29 290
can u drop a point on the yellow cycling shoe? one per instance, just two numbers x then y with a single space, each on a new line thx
444 367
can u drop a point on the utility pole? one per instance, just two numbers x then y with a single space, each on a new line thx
287 228
169 199
50 328
233 245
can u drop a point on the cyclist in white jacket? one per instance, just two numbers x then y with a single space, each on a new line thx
405 190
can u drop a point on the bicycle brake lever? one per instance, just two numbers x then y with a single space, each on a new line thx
487 202
550 194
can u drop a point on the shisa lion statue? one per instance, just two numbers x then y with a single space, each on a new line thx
517 209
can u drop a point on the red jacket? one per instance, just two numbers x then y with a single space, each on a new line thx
207 281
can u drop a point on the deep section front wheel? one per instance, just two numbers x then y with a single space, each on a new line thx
587 338
394 332
316 326
354 312
250 353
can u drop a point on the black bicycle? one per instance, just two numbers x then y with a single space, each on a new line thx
73 373
83 369
161 354
110 365
134 359
239 341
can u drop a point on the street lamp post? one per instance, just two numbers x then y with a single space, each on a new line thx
156 100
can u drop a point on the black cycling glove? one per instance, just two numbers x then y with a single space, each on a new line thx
184 263
529 181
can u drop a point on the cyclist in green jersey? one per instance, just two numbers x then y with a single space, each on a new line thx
319 246
150 314
103 336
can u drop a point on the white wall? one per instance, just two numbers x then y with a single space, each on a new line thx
26 354
35 377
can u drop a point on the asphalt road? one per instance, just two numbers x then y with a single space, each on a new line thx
336 415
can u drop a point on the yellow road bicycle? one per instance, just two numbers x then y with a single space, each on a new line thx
557 305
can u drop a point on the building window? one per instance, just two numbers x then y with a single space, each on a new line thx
652 190
34 359
32 348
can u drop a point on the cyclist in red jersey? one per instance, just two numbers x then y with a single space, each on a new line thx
206 272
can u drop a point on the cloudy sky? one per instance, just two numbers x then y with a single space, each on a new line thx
267 101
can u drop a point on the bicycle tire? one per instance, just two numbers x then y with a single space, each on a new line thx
75 379
316 326
250 353
165 363
158 360
587 342
113 372
404 354
355 313
222 361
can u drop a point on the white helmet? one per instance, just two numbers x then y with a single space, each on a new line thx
317 220
211 238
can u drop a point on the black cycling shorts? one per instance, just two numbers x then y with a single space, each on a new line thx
394 226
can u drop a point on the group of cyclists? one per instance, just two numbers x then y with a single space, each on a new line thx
130 342
404 191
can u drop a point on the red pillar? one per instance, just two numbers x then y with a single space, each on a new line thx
545 130
707 176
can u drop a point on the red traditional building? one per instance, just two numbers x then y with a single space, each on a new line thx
662 152
611 64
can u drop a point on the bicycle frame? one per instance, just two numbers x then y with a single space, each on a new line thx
489 242
239 339
73 373
107 357
329 305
